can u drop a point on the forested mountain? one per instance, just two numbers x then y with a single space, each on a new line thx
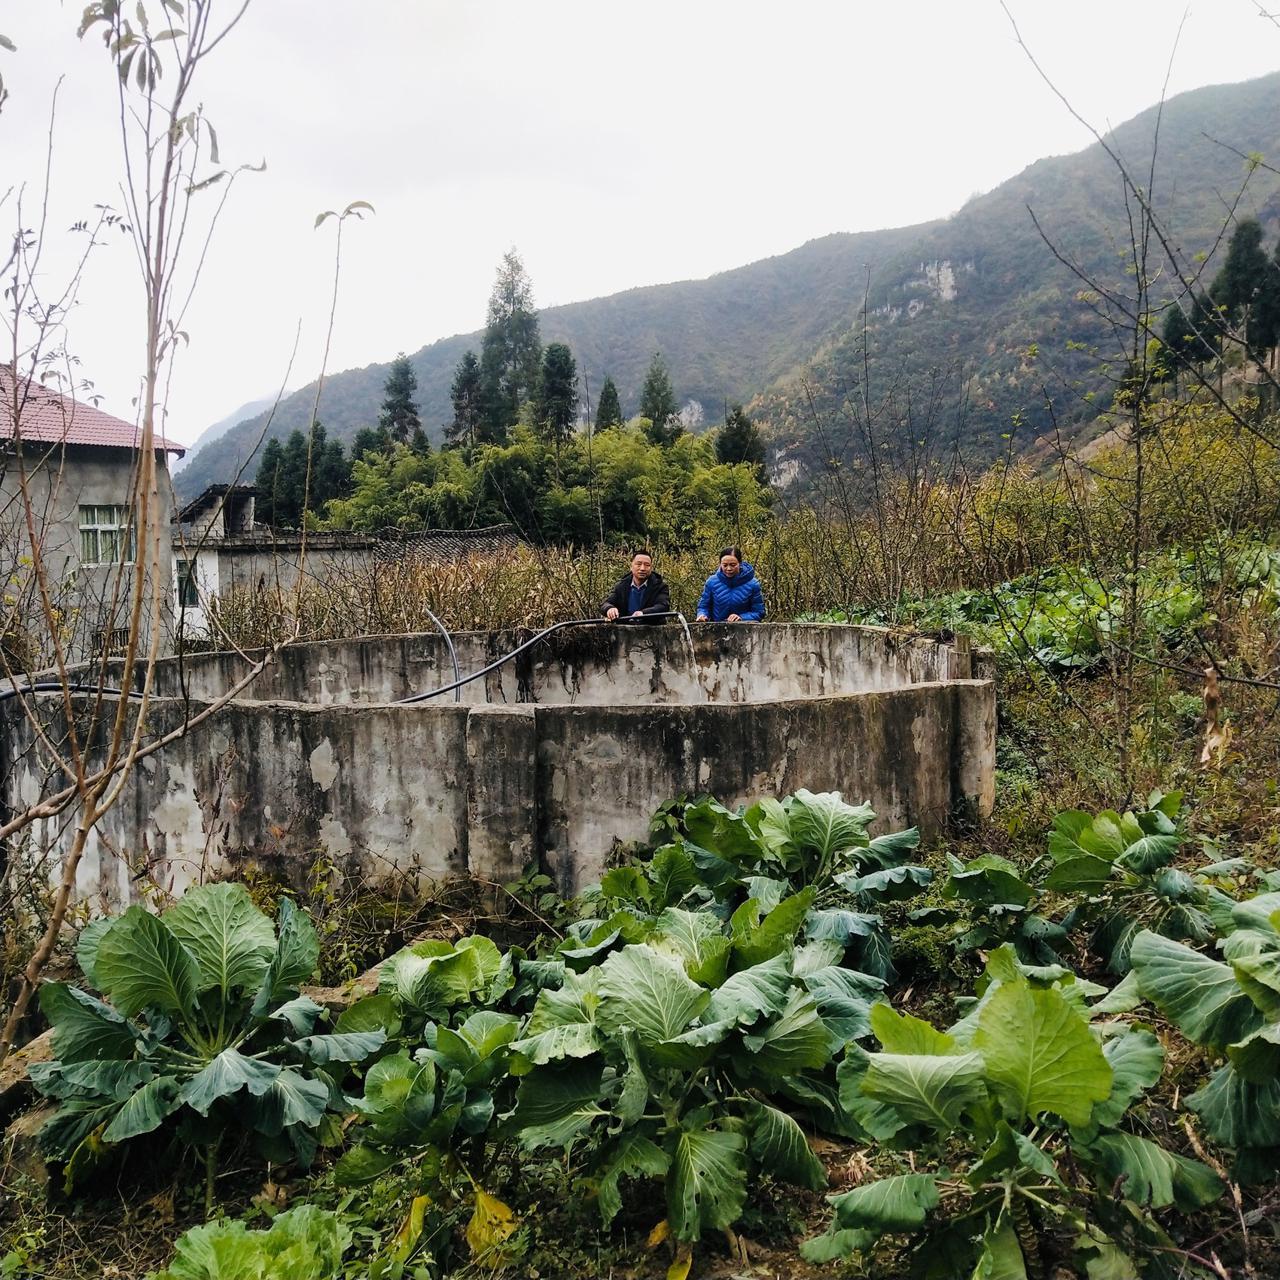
968 295
221 427
974 294
730 336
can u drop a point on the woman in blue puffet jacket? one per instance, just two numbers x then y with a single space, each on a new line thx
732 593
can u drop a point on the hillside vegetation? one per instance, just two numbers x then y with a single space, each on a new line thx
967 295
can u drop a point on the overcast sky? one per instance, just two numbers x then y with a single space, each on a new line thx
613 144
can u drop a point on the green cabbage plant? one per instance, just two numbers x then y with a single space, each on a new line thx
1121 866
198 1025
306 1243
674 1059
438 1096
1231 1007
1000 907
1020 1129
811 844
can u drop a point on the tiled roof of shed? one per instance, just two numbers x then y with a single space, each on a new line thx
46 417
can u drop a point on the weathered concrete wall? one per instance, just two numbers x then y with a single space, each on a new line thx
573 750
422 792
418 792
590 666
918 755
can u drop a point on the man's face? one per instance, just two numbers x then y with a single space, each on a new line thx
641 567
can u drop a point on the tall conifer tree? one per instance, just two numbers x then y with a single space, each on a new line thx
1242 273
609 410
1265 320
511 355
399 416
466 396
557 394
658 402
739 439
267 483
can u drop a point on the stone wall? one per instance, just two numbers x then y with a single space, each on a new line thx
573 751
598 666
918 755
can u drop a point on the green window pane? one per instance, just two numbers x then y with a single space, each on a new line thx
188 593
89 546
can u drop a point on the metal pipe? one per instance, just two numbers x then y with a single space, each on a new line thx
453 653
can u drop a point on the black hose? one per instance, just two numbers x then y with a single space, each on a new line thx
55 686
528 644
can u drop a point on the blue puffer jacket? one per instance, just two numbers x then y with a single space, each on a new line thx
740 594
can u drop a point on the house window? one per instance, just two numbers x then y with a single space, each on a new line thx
106 536
188 593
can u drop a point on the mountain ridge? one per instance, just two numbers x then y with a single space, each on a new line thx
970 292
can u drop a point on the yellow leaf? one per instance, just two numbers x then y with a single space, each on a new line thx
91 1152
658 1234
410 1230
490 1226
679 1269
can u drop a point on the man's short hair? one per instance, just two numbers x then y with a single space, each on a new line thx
642 551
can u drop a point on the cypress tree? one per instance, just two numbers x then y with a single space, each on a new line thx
1242 275
466 396
399 416
370 440
1264 320
293 478
609 410
267 483
739 440
511 354
658 402
1208 324
331 474
557 394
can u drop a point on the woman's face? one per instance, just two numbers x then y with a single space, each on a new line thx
729 565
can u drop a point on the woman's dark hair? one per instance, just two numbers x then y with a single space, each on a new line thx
735 552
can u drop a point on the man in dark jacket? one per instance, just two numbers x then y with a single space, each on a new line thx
640 593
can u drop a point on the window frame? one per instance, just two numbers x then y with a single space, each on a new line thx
118 524
188 583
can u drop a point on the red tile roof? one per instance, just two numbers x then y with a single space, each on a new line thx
46 417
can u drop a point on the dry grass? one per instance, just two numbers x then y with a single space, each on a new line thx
861 539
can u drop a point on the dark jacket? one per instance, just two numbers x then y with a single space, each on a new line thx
740 594
656 599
